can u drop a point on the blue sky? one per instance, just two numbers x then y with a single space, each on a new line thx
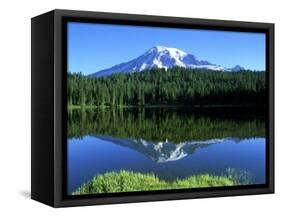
93 47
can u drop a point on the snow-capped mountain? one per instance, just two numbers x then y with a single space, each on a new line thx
163 151
162 57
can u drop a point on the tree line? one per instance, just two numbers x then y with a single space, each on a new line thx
176 86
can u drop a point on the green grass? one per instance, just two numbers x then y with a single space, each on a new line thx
126 181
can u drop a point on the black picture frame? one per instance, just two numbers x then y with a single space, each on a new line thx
49 121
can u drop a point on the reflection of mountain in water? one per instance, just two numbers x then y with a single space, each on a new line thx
161 152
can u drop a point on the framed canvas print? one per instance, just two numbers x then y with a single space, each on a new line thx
130 108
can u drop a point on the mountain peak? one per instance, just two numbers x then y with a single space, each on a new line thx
172 51
163 57
158 48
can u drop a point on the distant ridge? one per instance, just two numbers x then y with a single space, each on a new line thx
163 57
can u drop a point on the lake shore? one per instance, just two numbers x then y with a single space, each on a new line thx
127 181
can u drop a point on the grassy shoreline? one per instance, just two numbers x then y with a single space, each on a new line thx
127 181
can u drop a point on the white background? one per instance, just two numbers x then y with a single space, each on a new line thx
15 106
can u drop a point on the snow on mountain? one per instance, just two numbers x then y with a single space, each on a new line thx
162 57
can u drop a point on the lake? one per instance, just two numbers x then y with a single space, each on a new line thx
168 142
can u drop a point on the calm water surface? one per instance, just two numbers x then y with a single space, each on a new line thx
171 143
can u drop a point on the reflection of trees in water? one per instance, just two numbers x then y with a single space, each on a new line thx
176 125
